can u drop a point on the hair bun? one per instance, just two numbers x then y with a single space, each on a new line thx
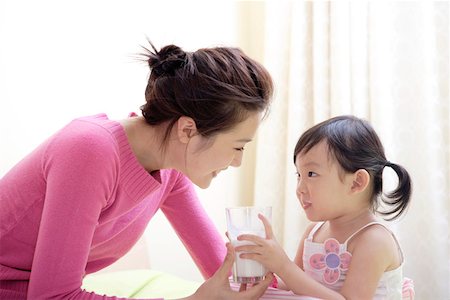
167 60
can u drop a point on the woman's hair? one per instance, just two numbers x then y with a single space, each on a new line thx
355 145
217 87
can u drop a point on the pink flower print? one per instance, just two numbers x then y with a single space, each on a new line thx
332 261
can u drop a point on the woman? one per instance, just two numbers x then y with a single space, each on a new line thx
83 198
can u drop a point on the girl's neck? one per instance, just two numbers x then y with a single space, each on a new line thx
345 225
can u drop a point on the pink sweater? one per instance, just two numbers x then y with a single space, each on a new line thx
79 202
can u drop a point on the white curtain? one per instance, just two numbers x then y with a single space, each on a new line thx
387 62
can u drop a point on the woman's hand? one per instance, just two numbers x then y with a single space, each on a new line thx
218 287
267 251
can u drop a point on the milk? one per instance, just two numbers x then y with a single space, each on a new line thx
246 270
245 220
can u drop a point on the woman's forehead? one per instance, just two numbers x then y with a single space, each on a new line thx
244 131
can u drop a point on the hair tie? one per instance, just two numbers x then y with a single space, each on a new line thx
167 60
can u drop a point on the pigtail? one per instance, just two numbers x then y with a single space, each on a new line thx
400 197
355 145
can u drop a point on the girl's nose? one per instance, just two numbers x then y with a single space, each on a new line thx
301 188
237 159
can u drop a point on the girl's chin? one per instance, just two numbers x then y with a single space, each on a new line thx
313 218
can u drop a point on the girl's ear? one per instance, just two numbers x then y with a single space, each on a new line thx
186 128
361 180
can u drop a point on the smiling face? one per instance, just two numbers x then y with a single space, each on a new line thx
322 187
205 159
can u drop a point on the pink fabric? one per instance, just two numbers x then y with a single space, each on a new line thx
273 293
79 202
408 289
332 262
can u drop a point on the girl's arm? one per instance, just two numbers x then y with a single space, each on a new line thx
268 252
373 252
370 259
300 283
298 260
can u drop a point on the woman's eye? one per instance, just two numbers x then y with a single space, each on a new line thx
239 149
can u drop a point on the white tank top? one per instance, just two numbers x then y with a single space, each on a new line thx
329 266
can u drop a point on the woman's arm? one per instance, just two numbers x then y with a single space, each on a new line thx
196 230
79 170
218 287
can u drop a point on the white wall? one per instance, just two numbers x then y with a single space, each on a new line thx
60 60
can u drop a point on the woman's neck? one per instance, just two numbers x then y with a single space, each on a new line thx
145 142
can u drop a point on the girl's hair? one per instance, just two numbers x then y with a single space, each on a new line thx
217 87
355 145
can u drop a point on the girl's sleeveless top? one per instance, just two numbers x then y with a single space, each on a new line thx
328 264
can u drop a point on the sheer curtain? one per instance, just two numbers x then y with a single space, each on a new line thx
387 62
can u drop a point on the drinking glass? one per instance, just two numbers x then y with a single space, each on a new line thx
244 220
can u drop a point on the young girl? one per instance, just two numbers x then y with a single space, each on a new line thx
346 253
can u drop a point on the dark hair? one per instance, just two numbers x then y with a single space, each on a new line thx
356 145
217 87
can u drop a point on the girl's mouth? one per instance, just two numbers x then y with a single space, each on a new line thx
306 204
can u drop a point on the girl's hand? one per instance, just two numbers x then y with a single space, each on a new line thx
267 251
218 286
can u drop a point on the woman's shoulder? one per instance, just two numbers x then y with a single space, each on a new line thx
93 129
96 126
177 181
94 136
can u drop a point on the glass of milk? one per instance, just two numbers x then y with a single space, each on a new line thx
244 220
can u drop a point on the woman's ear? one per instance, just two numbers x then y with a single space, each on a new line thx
361 180
186 128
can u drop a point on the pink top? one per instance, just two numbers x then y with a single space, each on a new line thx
79 202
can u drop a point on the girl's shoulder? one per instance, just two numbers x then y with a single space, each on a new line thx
372 233
376 239
311 229
307 235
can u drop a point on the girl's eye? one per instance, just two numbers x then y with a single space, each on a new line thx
311 174
298 175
